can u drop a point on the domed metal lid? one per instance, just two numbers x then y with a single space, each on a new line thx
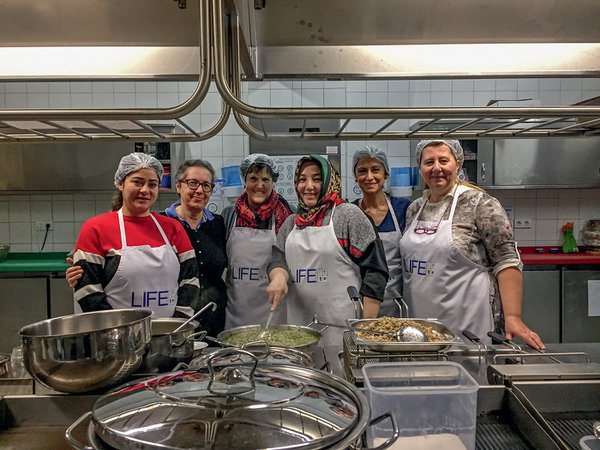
241 405
265 354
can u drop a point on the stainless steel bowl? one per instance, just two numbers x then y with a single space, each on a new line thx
86 352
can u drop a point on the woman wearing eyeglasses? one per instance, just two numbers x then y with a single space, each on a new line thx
195 181
371 169
460 262
206 233
130 257
252 225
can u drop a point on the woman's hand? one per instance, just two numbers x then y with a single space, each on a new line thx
278 287
514 326
73 273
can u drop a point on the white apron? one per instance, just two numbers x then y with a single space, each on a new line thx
439 282
391 245
321 272
249 253
146 276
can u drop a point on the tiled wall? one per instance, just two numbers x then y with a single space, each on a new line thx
548 209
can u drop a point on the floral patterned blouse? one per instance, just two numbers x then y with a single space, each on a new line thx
481 232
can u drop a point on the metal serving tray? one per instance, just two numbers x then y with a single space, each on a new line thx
449 338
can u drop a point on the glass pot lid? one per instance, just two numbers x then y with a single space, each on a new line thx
241 405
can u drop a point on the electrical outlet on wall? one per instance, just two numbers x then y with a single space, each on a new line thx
41 226
522 223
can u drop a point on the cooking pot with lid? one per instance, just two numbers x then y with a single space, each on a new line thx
242 405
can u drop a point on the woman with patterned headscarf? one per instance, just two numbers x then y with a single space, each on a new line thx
327 246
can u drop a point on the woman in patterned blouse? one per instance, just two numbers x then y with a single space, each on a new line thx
460 261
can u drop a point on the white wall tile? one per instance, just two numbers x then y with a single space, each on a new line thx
37 87
550 84
212 104
19 210
486 84
15 100
260 97
81 100
145 100
550 98
571 84
377 86
506 84
528 84
398 86
441 85
124 87
103 100
213 147
441 98
38 100
4 212
356 86
62 211
81 87
233 145
312 98
420 99
335 97
462 85
567 208
570 97
64 232
589 208
59 100
482 98
377 99
546 208
547 230
145 87
420 85
281 98
398 99
166 99
591 84
15 87
462 98
83 210
124 100
167 87
356 99
41 211
20 232
4 233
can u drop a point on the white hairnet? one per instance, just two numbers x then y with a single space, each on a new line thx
136 161
454 145
370 152
255 159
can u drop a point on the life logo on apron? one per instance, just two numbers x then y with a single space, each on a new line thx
249 253
146 276
309 276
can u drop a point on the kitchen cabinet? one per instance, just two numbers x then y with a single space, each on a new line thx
23 301
541 301
577 325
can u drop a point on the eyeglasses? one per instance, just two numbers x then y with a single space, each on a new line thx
429 230
195 184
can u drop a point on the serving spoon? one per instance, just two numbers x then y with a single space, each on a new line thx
214 306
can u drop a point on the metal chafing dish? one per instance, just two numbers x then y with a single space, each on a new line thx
449 338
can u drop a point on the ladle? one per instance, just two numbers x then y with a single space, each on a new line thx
214 306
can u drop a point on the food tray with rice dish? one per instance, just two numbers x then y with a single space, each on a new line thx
439 337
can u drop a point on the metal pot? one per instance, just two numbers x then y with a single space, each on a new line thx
86 352
265 354
168 347
312 334
242 405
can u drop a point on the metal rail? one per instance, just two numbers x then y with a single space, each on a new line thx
58 125
68 125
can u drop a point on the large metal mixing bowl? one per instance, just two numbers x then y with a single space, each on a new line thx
86 352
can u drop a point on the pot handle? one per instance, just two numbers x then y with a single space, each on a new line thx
198 336
395 431
69 433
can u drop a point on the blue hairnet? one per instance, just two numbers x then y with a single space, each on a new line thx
370 152
454 145
255 159
136 161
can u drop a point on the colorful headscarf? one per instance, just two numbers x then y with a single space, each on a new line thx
274 206
329 196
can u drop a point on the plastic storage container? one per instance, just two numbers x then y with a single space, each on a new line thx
436 401
589 443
